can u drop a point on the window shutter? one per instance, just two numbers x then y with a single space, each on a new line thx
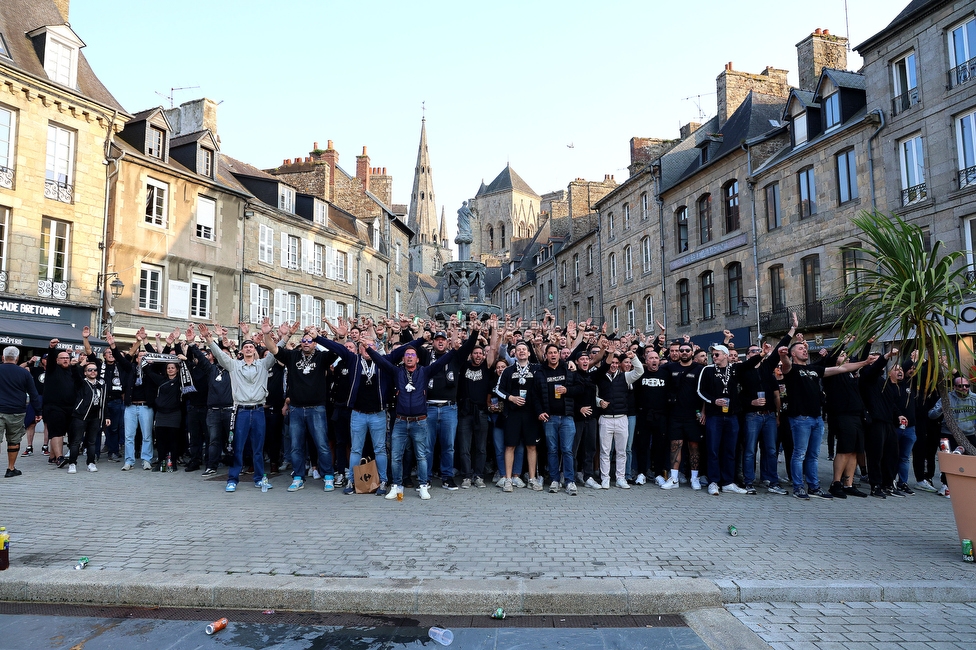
306 318
330 264
280 306
255 298
284 249
350 310
306 255
349 268
330 311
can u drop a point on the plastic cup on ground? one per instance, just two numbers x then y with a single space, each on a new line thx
442 636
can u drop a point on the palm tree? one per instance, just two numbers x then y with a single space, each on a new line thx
910 294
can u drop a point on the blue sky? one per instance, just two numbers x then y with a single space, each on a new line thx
502 81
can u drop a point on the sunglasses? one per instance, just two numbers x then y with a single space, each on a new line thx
308 340
962 385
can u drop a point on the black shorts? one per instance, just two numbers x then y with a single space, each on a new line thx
687 430
521 427
848 431
56 422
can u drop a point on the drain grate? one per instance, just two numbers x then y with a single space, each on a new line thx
346 620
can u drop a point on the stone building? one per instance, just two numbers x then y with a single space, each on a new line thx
506 212
56 123
174 222
920 73
430 248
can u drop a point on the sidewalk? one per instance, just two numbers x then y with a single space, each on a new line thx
154 536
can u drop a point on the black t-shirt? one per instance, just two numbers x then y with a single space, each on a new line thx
476 383
306 376
368 396
682 384
651 392
806 394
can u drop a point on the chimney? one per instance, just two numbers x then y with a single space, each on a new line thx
62 6
732 87
819 50
689 128
193 116
363 172
330 157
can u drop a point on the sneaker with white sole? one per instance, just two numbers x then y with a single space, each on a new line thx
670 484
127 467
733 488
713 489
72 468
424 492
92 467
500 482
340 480
207 473
660 480
146 465
681 478
605 484
536 483
297 484
590 483
518 482
465 484
623 484
507 485
640 480
554 487
776 488
571 489
394 491
382 489
479 482
695 483
925 485
231 487
329 483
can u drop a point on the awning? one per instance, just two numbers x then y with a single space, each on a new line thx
38 335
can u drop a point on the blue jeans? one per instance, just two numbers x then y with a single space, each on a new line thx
115 412
403 432
906 441
138 416
560 432
248 426
313 420
721 435
807 435
761 428
441 426
631 427
498 440
375 425
218 426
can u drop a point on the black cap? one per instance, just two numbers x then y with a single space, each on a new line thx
440 335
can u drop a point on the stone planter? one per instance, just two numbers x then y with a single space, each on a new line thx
960 473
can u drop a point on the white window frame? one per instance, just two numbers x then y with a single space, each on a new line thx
628 264
968 48
265 244
318 259
8 130
806 185
966 148
206 227
911 159
644 206
260 307
293 307
397 307
286 198
846 175
646 254
909 64
200 293
631 316
399 253
626 216
292 254
4 236
610 228
612 268
799 128
321 213
340 259
55 243
205 162
648 313
59 165
369 283
151 299
155 142
317 312
831 109
614 319
61 61
157 203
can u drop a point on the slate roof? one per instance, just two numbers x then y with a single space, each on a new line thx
804 149
914 9
223 178
243 169
805 97
343 221
844 79
505 181
186 138
17 17
750 120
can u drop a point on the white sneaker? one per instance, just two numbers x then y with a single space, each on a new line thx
640 480
695 483
394 491
536 483
72 469
925 485
127 467
734 489
669 484
571 489
500 482
146 465
553 487
623 484
424 492
713 489
507 485
518 482
590 483
316 475
660 480
605 484
92 467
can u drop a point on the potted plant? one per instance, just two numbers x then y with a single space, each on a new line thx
911 294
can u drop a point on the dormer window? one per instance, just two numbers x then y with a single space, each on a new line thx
286 199
799 128
155 141
831 106
321 213
58 47
704 153
205 167
3 48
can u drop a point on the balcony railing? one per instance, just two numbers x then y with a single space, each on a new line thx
913 194
903 102
967 176
826 312
6 177
58 191
52 289
962 73
3 280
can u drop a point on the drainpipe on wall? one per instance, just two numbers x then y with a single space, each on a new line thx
881 117
102 268
755 237
660 217
245 215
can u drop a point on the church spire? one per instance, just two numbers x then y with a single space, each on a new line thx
443 229
422 214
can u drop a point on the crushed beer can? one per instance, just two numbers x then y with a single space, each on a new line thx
967 550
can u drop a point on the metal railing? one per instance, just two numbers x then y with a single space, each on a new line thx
913 194
967 176
826 312
903 102
962 73
6 177
63 192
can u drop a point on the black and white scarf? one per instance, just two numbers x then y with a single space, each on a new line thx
186 381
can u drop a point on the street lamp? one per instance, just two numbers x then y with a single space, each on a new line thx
116 286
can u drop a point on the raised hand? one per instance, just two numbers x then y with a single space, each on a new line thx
85 332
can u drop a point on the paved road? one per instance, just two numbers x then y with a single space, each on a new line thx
786 550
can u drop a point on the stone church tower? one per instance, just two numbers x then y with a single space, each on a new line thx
429 248
506 217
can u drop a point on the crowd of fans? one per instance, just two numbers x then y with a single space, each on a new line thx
478 402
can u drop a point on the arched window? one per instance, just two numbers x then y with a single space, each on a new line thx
681 229
708 295
491 238
614 319
705 219
684 302
610 225
646 254
631 316
626 216
648 314
501 235
733 273
612 269
628 264
731 196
